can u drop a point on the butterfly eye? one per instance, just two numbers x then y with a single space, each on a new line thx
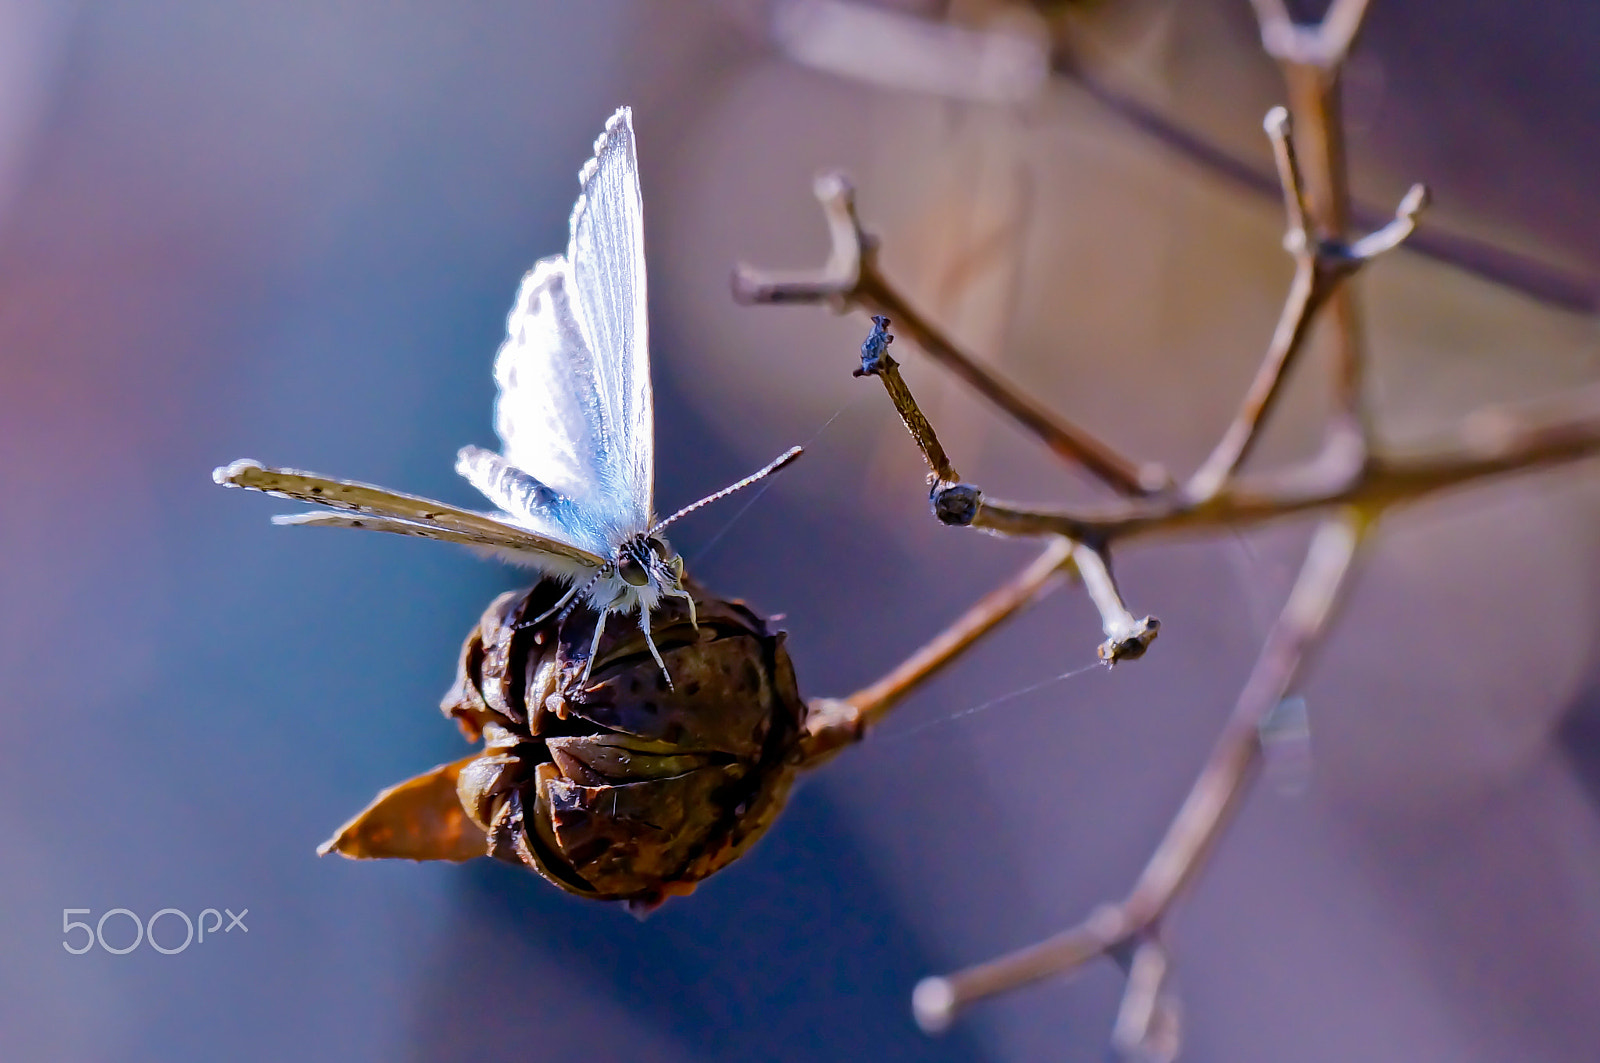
630 569
671 562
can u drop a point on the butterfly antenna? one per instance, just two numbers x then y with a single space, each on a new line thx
784 459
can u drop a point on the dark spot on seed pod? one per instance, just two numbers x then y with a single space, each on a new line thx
590 851
691 688
316 490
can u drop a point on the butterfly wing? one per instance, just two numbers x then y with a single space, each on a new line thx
574 408
606 257
379 509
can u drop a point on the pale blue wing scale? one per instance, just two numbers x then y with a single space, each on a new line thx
533 503
605 259
549 413
574 410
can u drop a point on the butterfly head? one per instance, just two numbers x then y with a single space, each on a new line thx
647 561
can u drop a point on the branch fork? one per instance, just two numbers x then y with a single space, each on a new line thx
1352 481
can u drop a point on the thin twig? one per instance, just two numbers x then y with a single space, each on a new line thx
1492 442
1309 289
834 723
1397 231
955 503
1312 61
1540 280
1205 812
1147 1026
1322 46
877 361
1126 638
851 278
1339 28
1321 264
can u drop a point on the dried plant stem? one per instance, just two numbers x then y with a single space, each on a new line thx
851 278
1491 442
1312 60
838 722
1353 475
1542 281
877 361
1147 1026
1126 637
956 503
1316 277
1203 815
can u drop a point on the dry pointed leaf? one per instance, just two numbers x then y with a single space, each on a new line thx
419 819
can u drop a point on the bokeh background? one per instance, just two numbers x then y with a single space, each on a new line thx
291 232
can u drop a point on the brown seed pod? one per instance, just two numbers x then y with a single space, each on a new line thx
626 789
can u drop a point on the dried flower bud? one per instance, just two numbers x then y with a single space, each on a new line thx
628 788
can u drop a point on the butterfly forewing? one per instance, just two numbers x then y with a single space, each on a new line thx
606 262
396 509
394 526
574 408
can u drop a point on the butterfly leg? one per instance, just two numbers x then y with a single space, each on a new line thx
679 592
563 606
594 646
644 625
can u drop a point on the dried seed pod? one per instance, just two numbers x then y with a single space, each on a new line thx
627 788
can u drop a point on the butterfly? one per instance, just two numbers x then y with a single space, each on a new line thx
574 480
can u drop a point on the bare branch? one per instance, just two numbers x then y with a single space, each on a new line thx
835 284
1396 232
1126 638
1147 1029
1274 18
1312 58
1339 28
835 723
877 361
1288 340
851 278
1542 281
1322 46
1295 240
1204 814
1320 267
1492 442
1349 474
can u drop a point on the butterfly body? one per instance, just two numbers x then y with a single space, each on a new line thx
573 481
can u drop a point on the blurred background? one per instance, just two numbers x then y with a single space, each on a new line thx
292 232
